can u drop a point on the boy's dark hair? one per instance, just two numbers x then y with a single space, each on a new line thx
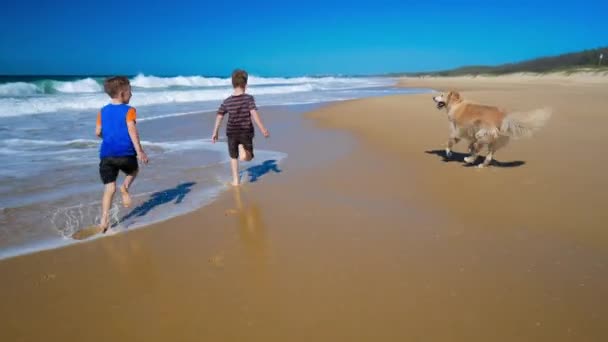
114 85
239 78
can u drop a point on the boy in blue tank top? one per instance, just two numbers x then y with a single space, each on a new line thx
120 146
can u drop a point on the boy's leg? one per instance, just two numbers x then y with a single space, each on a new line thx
129 180
234 165
124 189
131 168
233 150
108 171
246 147
106 203
244 154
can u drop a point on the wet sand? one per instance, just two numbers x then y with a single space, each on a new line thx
363 233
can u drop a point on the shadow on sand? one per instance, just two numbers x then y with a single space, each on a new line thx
257 171
459 158
176 194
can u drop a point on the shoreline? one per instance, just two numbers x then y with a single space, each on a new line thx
206 196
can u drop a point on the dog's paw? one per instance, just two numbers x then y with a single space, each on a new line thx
448 153
470 159
481 166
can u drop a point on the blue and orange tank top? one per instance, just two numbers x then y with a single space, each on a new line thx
113 120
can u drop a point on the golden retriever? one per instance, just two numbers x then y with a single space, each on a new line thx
486 125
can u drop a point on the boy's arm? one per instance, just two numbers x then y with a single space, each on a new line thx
216 130
135 139
253 110
258 121
218 122
134 135
98 125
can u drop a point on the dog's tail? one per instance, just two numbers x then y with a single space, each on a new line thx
524 124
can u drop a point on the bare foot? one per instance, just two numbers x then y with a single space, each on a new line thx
104 226
126 198
235 184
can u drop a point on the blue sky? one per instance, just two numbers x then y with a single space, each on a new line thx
287 38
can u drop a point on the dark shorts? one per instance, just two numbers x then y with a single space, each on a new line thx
235 140
109 167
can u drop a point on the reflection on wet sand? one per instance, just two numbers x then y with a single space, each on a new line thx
251 228
129 257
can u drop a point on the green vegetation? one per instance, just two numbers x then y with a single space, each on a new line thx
587 60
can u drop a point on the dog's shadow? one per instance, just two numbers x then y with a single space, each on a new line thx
459 157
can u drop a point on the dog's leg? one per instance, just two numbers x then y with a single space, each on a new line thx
451 142
484 136
490 156
470 148
475 147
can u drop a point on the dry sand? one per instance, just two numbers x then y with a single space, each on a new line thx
366 234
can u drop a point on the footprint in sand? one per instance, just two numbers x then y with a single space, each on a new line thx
87 232
217 261
231 212
47 277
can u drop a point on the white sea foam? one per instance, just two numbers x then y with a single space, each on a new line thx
49 96
35 105
19 89
87 85
30 147
142 81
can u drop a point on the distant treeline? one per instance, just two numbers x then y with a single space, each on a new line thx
588 59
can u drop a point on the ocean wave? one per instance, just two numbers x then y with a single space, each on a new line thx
87 85
91 85
36 105
32 147
143 81
169 115
19 89
57 147
50 87
37 143
50 96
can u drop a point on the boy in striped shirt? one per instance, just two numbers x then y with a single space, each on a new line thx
241 109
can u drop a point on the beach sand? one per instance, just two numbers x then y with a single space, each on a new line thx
363 233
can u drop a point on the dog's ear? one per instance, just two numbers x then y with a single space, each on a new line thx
454 96
448 97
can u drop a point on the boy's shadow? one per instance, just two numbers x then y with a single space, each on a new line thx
257 171
459 157
159 198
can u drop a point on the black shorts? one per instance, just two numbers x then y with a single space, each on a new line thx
109 167
240 139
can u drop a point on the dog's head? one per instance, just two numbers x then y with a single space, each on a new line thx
451 98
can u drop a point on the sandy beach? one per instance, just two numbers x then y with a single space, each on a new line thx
363 233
